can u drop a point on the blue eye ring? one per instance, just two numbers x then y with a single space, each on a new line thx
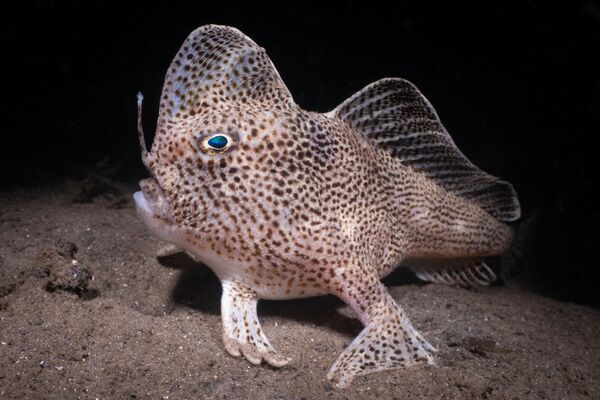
218 142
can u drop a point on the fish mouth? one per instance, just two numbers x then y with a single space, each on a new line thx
153 209
142 203
150 201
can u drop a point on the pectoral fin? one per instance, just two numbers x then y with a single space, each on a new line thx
242 333
388 341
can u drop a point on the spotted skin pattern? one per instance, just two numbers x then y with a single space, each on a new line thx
299 203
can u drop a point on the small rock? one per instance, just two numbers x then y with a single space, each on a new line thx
69 276
66 249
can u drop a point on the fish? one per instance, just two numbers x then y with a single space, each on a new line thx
285 203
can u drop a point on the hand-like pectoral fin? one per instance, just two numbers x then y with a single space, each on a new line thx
388 341
242 333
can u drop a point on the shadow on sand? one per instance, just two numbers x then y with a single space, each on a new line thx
197 287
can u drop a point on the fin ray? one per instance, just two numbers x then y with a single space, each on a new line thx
393 115
464 273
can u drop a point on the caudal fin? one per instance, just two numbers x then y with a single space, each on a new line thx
515 259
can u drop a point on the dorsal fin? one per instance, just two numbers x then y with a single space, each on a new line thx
219 63
392 114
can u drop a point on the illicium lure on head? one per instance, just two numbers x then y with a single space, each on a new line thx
284 203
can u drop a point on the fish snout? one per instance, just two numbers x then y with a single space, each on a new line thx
151 201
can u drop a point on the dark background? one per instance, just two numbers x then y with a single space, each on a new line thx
517 87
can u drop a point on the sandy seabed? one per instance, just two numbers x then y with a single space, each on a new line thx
118 323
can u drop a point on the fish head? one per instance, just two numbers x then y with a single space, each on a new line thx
221 158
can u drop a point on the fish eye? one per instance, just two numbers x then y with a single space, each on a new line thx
218 142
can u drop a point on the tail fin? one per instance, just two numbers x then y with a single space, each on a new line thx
514 260
476 272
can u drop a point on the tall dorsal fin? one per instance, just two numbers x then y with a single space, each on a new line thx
392 114
219 63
